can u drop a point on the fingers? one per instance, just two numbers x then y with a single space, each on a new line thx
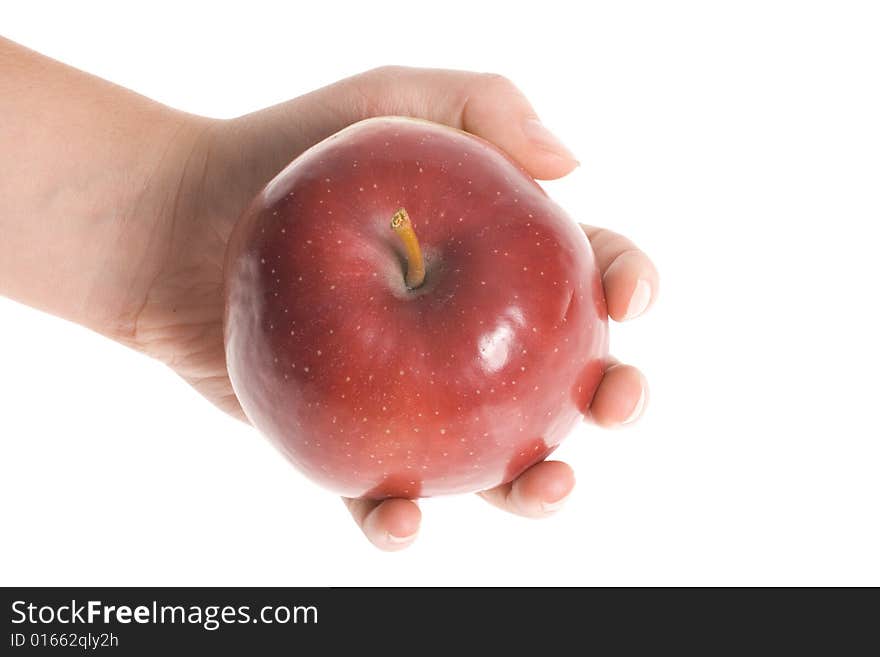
388 524
631 283
536 493
542 489
393 524
484 104
620 398
629 277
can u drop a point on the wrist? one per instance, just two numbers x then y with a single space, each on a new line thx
162 208
143 200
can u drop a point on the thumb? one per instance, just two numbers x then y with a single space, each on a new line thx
484 104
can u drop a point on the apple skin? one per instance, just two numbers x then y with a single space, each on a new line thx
374 390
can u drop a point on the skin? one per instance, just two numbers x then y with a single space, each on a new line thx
115 212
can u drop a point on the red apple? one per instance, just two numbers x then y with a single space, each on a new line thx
455 383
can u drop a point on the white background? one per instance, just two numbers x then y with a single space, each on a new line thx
737 142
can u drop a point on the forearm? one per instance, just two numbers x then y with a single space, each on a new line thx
87 175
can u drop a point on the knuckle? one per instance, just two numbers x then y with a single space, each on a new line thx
496 81
386 71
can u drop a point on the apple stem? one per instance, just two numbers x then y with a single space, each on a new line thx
415 263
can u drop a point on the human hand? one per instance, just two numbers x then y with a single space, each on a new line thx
179 319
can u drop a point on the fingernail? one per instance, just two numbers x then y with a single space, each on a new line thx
639 300
399 540
538 133
637 409
552 507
